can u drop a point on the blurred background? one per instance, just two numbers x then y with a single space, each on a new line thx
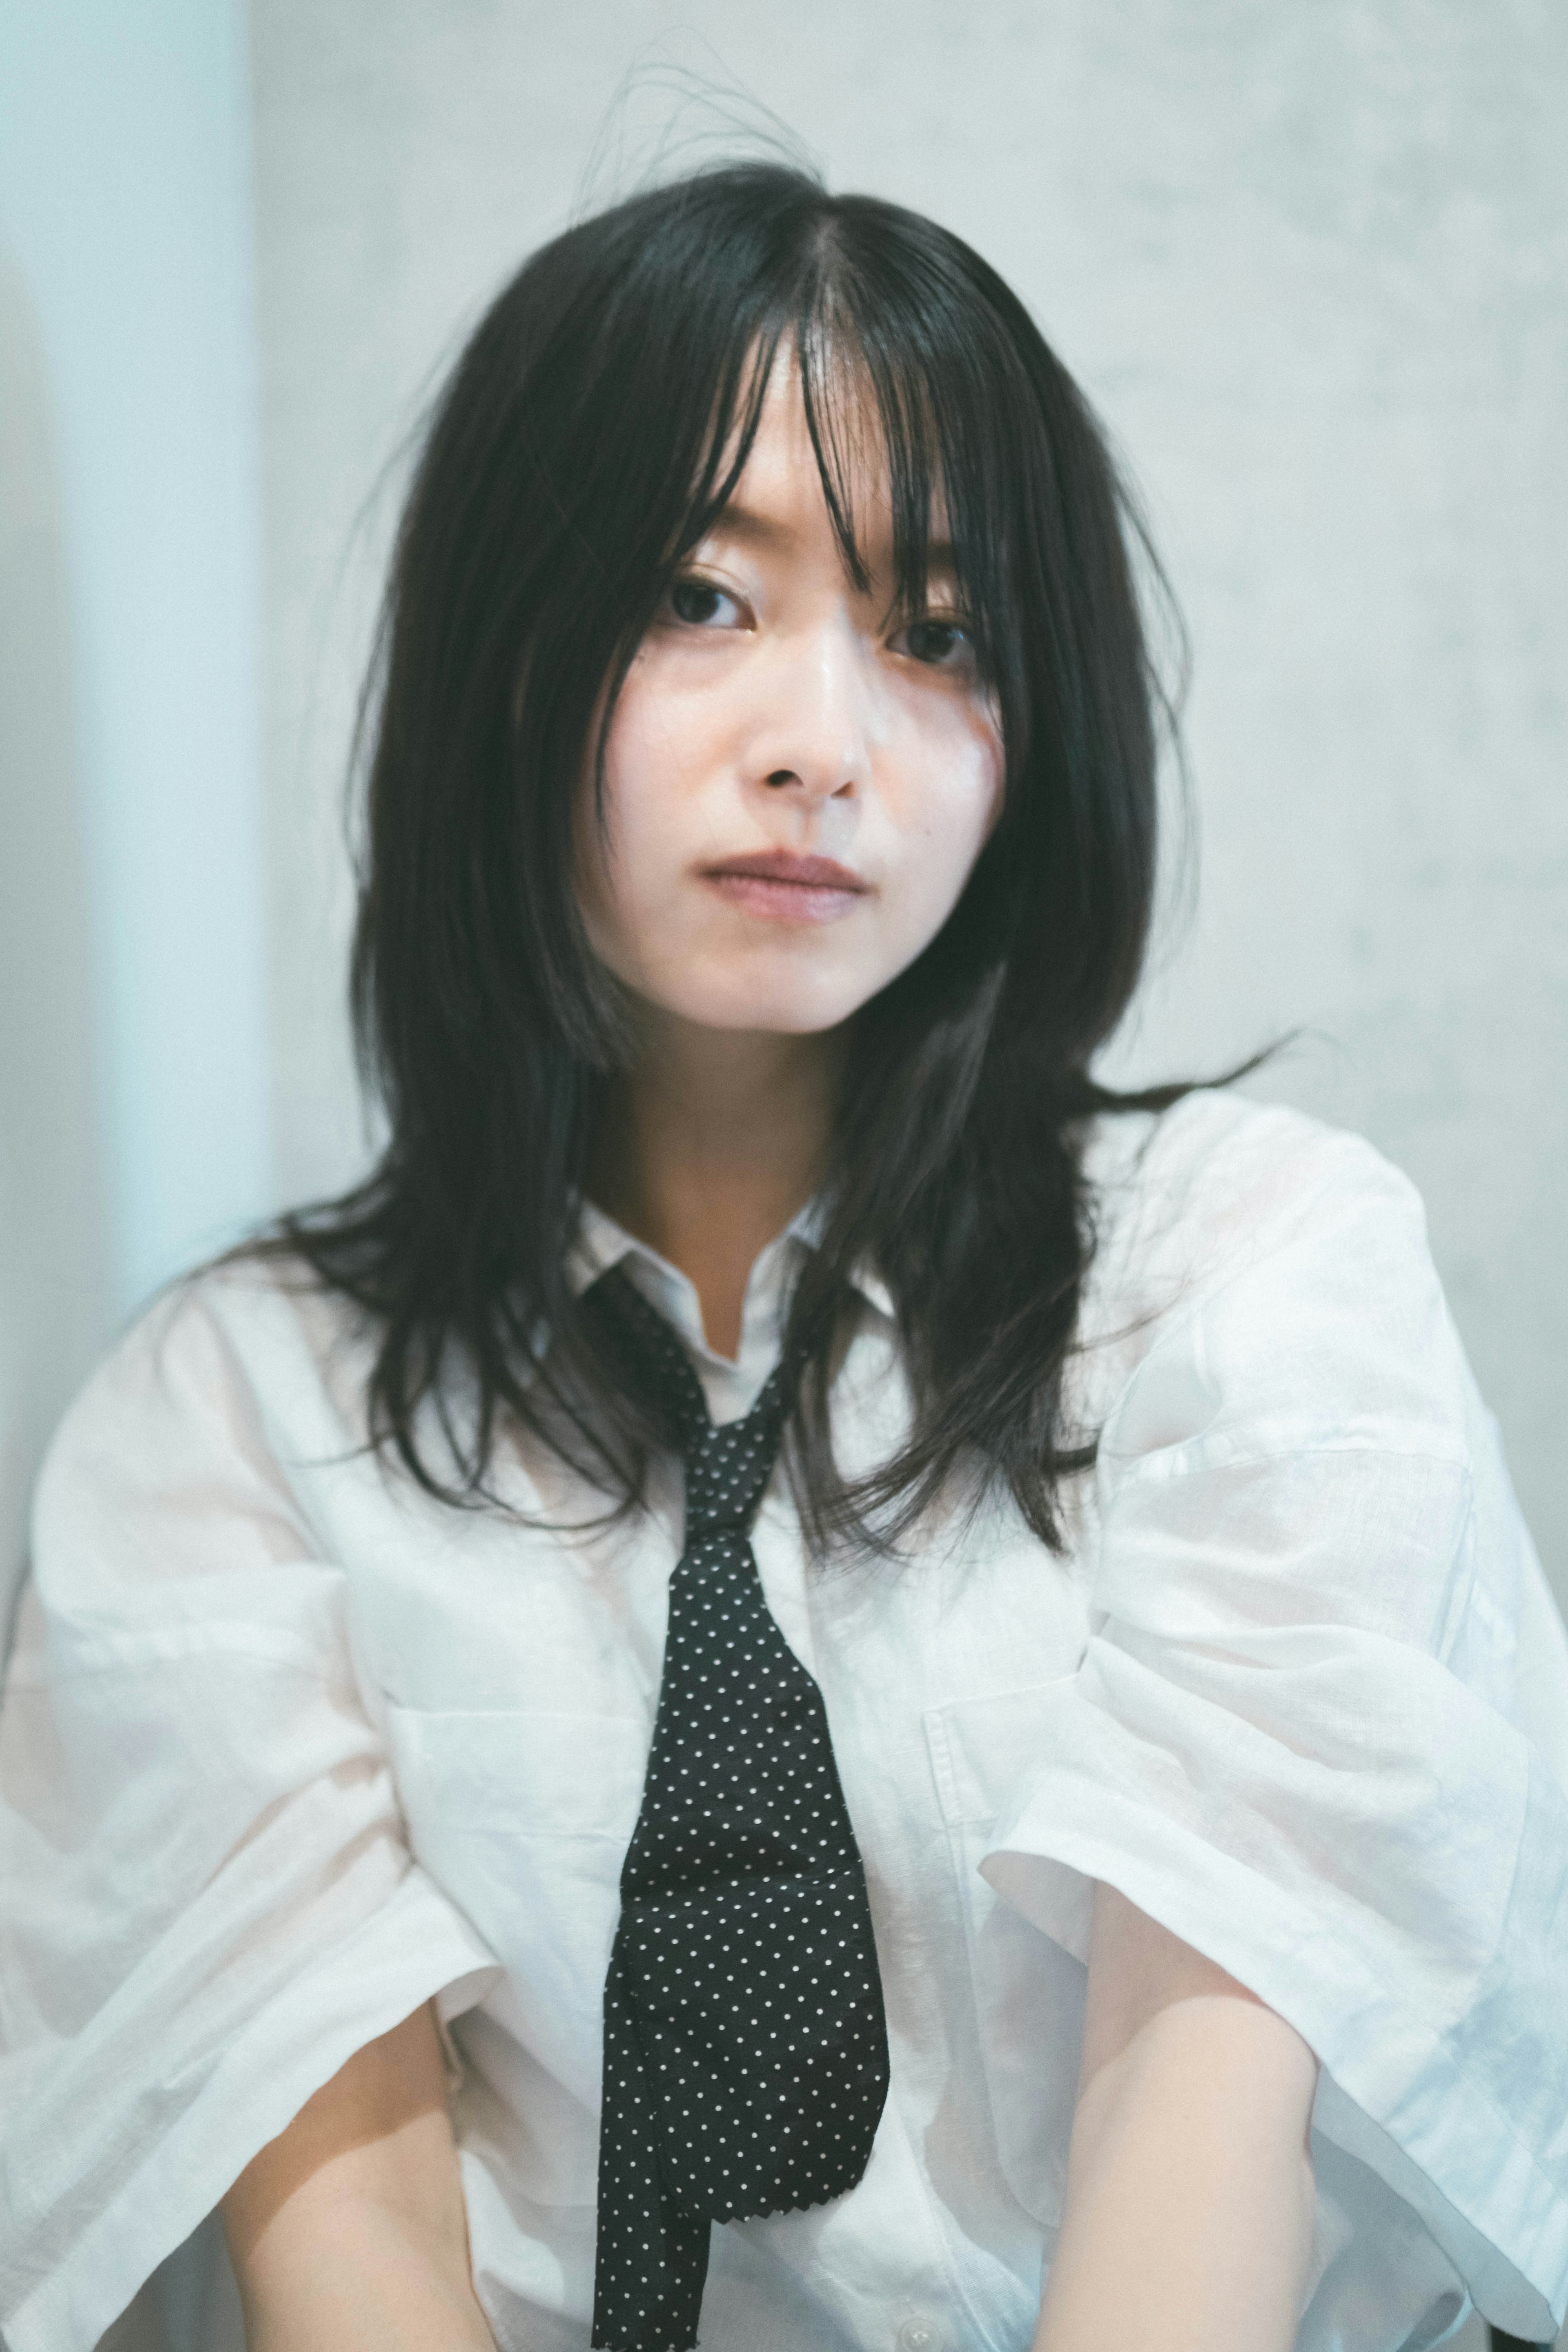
1312 264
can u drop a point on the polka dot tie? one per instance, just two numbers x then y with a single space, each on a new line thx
745 2047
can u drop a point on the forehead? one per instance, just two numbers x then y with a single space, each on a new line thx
782 487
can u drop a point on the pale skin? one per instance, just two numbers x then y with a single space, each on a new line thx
775 709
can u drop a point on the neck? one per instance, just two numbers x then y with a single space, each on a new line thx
711 1144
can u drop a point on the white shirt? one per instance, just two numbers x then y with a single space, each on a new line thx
289 1748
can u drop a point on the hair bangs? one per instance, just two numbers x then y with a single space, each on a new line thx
893 365
900 342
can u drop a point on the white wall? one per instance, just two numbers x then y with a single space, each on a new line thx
133 1097
1311 262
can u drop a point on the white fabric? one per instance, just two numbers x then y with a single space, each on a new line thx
288 1748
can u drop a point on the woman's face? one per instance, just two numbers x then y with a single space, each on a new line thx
797 788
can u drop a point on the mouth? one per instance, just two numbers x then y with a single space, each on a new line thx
786 886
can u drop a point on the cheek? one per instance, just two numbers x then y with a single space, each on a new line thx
951 819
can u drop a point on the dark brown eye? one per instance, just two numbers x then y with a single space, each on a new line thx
700 604
936 641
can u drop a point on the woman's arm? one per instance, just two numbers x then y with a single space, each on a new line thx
348 2231
1189 2202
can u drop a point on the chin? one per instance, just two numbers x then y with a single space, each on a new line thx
781 995
785 1013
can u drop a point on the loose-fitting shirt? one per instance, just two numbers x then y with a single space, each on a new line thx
289 1748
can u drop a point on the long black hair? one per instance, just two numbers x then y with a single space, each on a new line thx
595 426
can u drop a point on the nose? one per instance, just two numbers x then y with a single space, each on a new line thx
817 720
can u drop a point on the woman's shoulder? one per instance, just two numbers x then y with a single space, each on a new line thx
181 1499
1190 1197
224 1361
1221 1157
1277 1256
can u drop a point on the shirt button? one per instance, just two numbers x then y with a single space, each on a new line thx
920 2334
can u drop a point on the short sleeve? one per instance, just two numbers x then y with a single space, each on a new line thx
1290 1739
209 1904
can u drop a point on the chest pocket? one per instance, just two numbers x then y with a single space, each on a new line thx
524 1818
1028 1992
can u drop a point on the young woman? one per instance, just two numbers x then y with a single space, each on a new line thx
801 1680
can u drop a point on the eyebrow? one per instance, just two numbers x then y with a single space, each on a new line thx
745 522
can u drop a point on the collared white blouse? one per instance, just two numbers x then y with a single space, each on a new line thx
289 1748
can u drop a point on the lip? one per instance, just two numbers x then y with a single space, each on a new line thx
785 885
793 866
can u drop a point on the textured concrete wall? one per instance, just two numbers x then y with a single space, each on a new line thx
1311 264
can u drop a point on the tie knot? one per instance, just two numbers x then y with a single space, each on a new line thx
727 1466
727 1471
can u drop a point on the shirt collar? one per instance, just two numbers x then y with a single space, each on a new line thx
600 1242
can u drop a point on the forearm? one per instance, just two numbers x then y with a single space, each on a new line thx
349 2232
357 2277
1182 2226
1188 2216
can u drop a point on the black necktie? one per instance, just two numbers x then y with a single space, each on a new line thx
745 2047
